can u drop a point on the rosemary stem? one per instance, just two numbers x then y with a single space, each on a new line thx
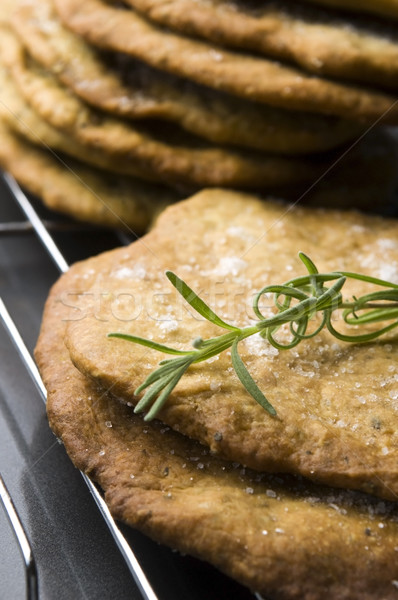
296 301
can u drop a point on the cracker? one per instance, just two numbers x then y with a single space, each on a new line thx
375 156
241 74
127 149
79 191
24 121
336 402
283 538
221 118
317 41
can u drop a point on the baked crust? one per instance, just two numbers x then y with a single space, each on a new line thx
240 74
319 41
285 538
132 89
63 122
337 419
80 191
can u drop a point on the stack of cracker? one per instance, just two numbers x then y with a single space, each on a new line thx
110 110
294 506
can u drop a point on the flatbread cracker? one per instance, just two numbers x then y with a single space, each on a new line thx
149 93
133 150
103 142
82 192
241 74
22 120
286 539
336 403
337 183
317 41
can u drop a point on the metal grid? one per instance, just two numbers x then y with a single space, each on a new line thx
31 574
218 587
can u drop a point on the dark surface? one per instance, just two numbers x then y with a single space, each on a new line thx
75 552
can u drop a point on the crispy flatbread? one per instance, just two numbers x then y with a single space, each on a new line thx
329 184
286 539
79 191
384 8
250 77
132 89
23 120
336 402
314 39
131 149
337 184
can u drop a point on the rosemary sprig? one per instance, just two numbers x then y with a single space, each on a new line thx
297 301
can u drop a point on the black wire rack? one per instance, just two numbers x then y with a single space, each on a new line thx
157 573
34 223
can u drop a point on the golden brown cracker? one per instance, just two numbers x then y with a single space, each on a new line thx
286 539
316 40
149 93
374 157
336 402
241 74
128 149
79 191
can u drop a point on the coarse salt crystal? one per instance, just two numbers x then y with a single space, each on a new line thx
135 272
389 272
214 386
229 265
168 326
387 244
260 347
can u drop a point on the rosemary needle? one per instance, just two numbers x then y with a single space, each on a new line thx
296 301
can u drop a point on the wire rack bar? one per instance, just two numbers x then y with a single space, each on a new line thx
37 223
22 349
132 563
17 227
124 547
23 542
